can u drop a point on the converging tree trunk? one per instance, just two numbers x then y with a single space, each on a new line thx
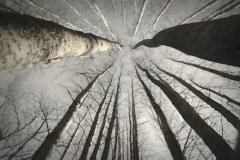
94 125
100 135
217 72
111 124
51 139
25 41
212 139
170 138
135 129
219 94
114 154
215 105
217 40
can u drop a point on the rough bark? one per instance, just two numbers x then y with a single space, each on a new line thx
100 135
217 72
25 41
93 127
215 105
170 138
211 138
111 124
51 139
217 40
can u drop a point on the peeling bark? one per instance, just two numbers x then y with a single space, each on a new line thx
25 41
217 40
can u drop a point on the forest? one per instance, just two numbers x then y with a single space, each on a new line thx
119 79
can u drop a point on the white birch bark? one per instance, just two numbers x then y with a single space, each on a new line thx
26 41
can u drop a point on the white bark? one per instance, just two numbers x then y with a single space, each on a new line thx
25 41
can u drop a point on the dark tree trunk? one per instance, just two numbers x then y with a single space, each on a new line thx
220 73
111 124
217 40
94 125
215 105
211 138
51 139
71 139
100 135
172 143
219 94
114 154
135 129
130 132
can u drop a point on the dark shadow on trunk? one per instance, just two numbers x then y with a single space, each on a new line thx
217 40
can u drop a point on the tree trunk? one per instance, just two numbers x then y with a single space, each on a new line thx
71 139
114 154
25 41
111 124
215 105
100 135
211 138
217 40
219 94
135 129
51 139
172 143
220 73
93 127
130 133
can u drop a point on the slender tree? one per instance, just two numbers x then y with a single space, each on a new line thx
100 135
111 124
135 129
215 105
219 94
26 40
170 138
93 126
114 154
130 132
208 40
217 72
51 139
222 150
